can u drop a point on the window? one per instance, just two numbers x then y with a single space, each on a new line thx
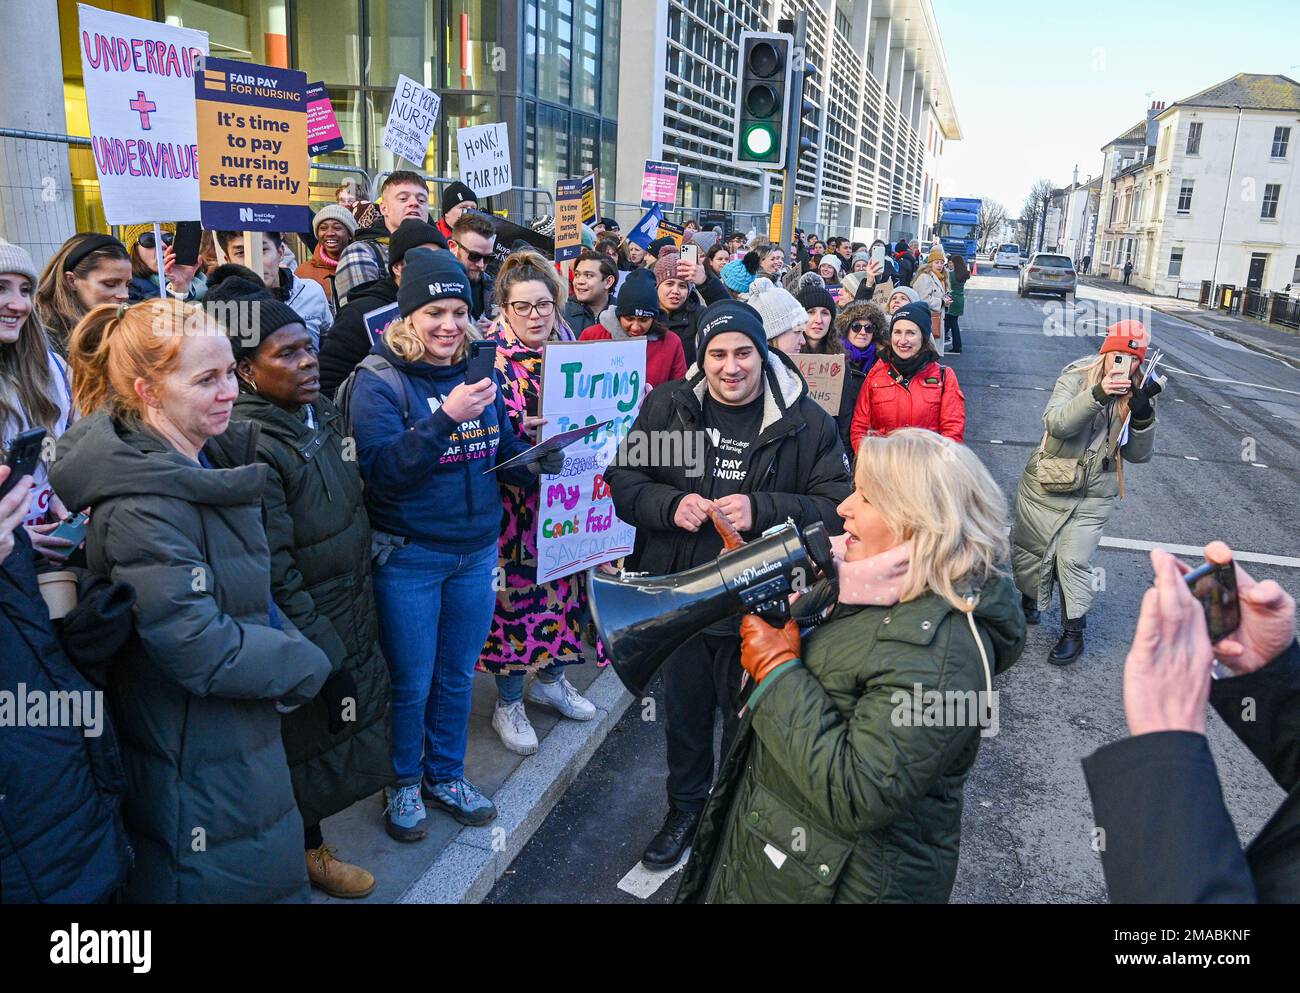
1185 197
1106 248
1281 138
1194 138
1114 208
1176 262
1272 194
470 29
1295 276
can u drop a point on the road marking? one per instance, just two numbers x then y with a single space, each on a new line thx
1259 465
643 883
1133 544
1181 400
995 441
1232 382
1192 458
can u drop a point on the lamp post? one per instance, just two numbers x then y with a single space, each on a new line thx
1227 193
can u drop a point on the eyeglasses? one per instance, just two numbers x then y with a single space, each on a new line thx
859 327
522 308
146 240
475 258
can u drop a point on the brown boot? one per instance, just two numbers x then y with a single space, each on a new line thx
338 879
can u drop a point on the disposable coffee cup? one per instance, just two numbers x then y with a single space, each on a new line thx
60 592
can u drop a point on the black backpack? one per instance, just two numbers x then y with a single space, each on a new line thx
386 371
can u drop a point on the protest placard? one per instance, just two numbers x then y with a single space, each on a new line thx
253 163
825 377
667 229
411 119
140 101
590 191
659 183
380 320
774 222
568 219
323 134
585 383
484 158
710 219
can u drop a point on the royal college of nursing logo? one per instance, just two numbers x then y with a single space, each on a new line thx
436 288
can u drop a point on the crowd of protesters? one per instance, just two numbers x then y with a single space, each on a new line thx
297 555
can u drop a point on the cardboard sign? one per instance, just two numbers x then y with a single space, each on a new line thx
583 384
647 229
568 219
590 191
411 119
140 100
825 377
323 134
380 320
253 161
667 229
659 183
484 158
881 293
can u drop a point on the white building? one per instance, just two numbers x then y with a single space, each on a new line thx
1072 219
881 86
1216 196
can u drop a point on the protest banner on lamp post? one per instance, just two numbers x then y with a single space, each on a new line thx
586 383
411 119
484 157
323 134
253 163
568 219
139 78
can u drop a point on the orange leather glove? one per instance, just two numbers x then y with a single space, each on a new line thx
731 539
763 647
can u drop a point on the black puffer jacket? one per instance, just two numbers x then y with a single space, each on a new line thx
319 535
348 341
61 833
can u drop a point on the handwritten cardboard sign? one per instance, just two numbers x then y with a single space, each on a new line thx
825 377
484 158
411 119
585 383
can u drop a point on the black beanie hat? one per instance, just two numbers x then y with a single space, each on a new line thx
430 276
659 244
919 314
730 315
455 194
813 293
639 295
410 233
254 316
750 262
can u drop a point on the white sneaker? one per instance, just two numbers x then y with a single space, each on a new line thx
561 695
512 726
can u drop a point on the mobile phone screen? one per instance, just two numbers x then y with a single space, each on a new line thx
1215 586
24 456
482 359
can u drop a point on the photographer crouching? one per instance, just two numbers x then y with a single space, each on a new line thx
832 792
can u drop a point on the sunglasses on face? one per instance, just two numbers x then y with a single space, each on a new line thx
146 240
859 328
522 308
475 258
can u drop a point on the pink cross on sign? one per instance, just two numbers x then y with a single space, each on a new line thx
144 108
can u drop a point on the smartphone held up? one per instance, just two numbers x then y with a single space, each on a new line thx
1215 586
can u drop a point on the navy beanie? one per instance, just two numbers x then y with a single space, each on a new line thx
638 296
659 244
430 275
731 315
410 233
812 292
918 313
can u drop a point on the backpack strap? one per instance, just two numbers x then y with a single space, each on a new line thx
386 371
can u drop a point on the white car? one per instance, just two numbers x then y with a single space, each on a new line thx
1007 257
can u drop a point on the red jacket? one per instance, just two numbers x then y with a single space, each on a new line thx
664 358
932 399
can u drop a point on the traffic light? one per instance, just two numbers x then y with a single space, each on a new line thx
763 99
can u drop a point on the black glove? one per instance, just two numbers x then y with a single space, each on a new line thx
95 630
339 690
1140 403
552 463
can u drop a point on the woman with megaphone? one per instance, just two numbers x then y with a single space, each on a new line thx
844 784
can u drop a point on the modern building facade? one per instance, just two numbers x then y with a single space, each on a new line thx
1214 194
885 110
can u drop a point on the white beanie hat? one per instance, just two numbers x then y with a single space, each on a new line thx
833 261
333 212
777 306
15 258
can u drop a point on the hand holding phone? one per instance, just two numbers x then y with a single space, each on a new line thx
691 254
1266 615
482 361
23 458
1214 585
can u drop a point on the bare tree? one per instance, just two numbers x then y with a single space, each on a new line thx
1035 206
992 216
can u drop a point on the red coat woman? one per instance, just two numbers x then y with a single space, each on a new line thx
908 388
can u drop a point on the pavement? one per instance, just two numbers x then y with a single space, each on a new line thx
1226 465
1273 340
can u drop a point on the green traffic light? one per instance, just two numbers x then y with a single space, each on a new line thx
759 141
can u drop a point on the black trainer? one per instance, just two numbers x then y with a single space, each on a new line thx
666 847
1070 645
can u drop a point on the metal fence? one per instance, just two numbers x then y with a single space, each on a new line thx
1285 310
1254 304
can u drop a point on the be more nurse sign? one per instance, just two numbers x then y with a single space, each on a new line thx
253 163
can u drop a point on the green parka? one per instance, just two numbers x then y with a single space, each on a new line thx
835 791
320 578
209 807
1056 534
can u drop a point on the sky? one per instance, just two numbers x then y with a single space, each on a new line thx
1039 87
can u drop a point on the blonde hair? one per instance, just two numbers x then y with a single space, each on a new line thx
113 346
525 266
936 493
1093 370
407 344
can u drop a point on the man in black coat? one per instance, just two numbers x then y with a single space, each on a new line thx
1165 835
61 783
349 340
759 450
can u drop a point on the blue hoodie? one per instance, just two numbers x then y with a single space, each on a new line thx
425 478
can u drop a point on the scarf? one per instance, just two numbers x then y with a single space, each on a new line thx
862 358
876 581
321 259
907 368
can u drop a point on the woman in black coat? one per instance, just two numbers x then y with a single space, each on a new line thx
822 337
338 745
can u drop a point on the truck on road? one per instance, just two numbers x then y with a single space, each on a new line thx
959 219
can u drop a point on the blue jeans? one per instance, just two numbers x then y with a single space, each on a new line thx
435 610
510 689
